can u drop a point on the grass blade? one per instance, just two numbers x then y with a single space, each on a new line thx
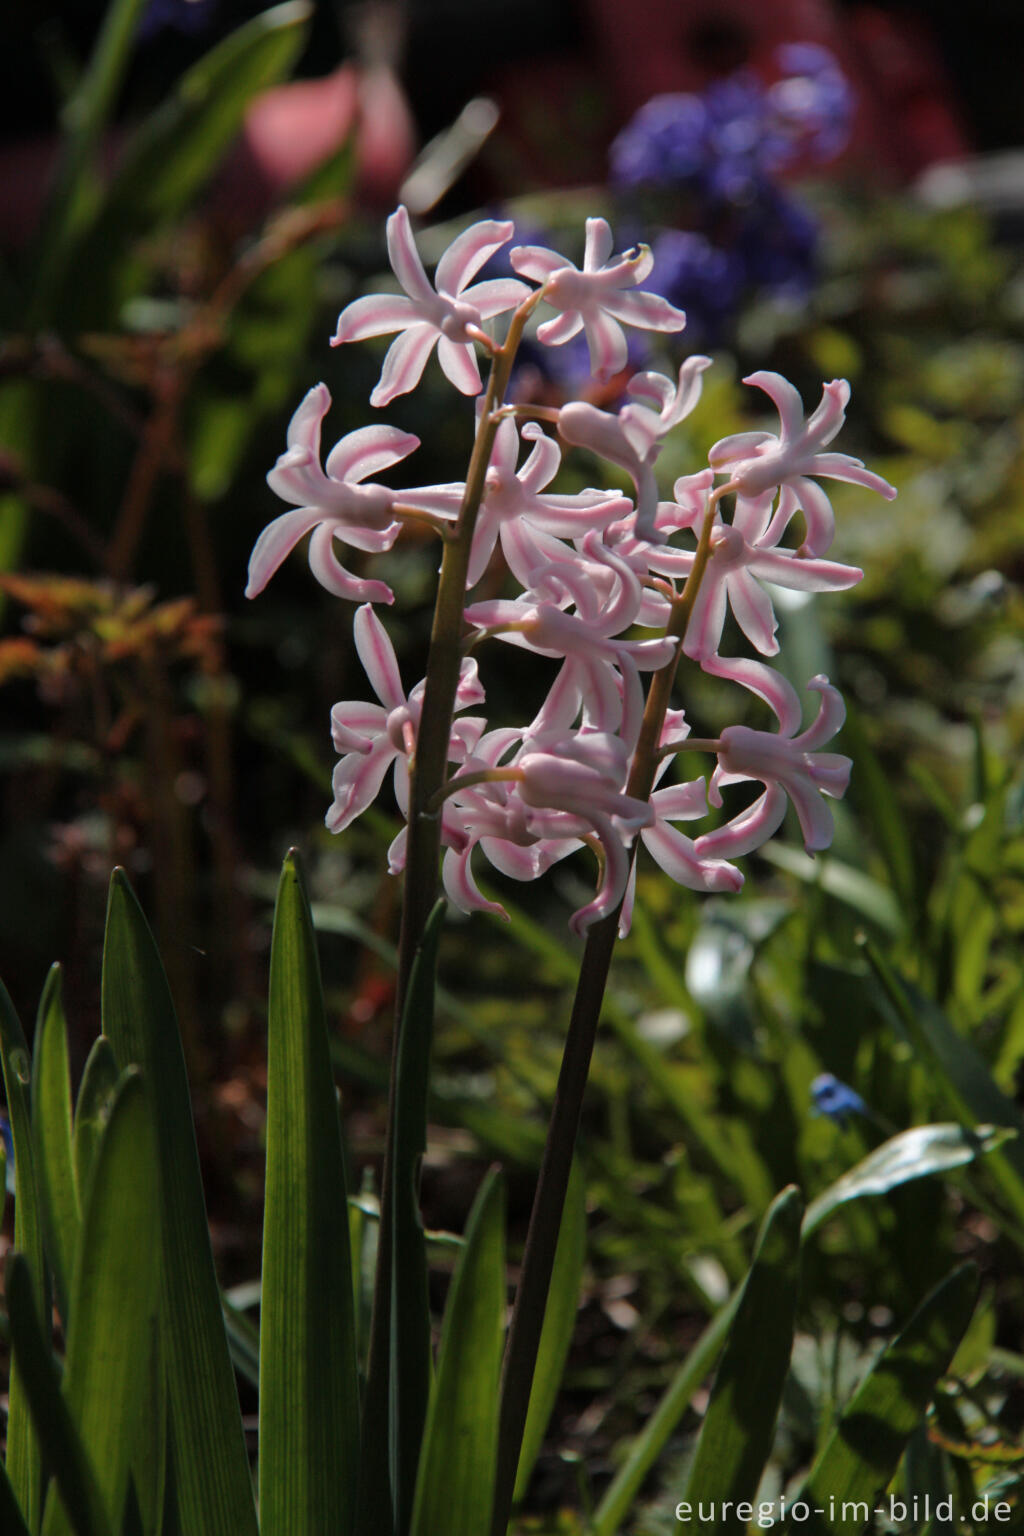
51 1120
65 1453
863 1452
654 1436
12 1521
309 1383
736 1436
913 1154
559 1323
211 1468
455 1484
24 1467
114 1300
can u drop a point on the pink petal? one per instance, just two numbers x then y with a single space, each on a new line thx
763 681
544 462
555 333
830 717
738 448
356 782
648 311
813 814
469 251
747 831
375 315
495 296
707 617
830 412
536 262
330 573
752 608
377 655
818 515
405 258
355 725
599 244
678 857
681 802
367 451
276 542
304 427
404 364
609 352
840 466
458 360
784 397
803 574
461 888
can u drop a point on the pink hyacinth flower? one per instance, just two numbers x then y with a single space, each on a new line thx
332 501
593 299
446 314
371 737
787 764
760 461
743 556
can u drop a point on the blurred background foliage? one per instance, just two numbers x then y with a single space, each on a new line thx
163 308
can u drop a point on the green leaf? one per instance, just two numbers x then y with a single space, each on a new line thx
51 1119
863 1452
65 1454
211 1468
92 1111
12 1521
409 1375
309 1382
654 1436
736 1436
911 1155
455 1482
178 148
114 1300
75 187
24 1467
559 1323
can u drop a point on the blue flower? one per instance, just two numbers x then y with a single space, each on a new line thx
836 1099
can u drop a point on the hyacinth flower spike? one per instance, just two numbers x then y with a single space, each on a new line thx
594 299
759 461
445 314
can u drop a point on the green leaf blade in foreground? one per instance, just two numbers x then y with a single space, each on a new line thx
24 1467
739 1425
211 1468
309 1384
51 1119
913 1154
455 1482
65 1453
863 1452
559 1323
92 1110
114 1301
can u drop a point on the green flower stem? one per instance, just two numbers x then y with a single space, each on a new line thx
552 1182
428 772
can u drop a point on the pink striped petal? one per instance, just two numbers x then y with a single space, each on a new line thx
747 831
367 451
609 352
356 782
458 361
404 364
355 725
648 311
405 258
330 573
677 855
495 296
555 333
763 681
469 251
536 262
377 655
304 427
276 542
460 887
599 244
784 397
375 315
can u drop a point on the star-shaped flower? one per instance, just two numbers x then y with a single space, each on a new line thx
448 315
592 298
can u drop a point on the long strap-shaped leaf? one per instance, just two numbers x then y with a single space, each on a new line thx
736 1436
51 1120
12 1521
211 1467
309 1385
864 1449
114 1301
24 1468
65 1454
455 1485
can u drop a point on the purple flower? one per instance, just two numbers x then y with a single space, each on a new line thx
664 143
835 1099
813 100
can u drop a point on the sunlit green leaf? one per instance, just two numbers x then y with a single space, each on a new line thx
913 1154
211 1468
92 1110
455 1483
309 1385
51 1117
738 1427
